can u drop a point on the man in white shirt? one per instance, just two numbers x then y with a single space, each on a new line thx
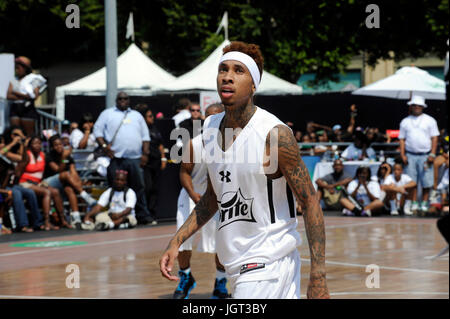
183 113
399 189
418 143
360 148
120 201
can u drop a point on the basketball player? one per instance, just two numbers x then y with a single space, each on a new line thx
257 238
193 180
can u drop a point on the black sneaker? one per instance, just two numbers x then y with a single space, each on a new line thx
101 226
187 283
220 289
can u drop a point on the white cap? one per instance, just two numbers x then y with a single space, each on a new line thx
417 100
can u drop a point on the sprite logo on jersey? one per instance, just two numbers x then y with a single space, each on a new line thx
234 207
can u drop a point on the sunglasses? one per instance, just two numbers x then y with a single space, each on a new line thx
122 98
195 110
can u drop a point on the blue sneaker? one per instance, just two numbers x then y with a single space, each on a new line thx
187 283
220 289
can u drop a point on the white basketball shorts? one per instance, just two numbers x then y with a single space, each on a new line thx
207 242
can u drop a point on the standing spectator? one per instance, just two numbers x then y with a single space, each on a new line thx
360 148
23 91
157 162
399 190
124 135
298 136
330 186
182 111
365 191
195 122
418 144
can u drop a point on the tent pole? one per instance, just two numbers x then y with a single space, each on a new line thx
111 51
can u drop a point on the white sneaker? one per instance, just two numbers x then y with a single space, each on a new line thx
415 206
394 212
408 211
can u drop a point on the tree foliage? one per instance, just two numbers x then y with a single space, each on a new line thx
295 37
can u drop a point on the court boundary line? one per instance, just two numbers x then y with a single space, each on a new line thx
381 267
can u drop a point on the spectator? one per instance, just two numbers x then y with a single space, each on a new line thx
30 172
364 195
384 171
118 124
399 190
330 186
195 122
15 194
84 139
440 185
157 162
182 111
23 91
120 201
60 173
360 149
298 136
418 145
13 143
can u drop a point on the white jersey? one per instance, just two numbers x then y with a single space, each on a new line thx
198 175
257 215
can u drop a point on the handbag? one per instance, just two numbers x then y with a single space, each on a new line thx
100 151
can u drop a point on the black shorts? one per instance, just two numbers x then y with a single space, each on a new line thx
22 111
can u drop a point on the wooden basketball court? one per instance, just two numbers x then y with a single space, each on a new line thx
124 263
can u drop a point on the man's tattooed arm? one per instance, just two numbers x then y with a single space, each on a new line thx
297 176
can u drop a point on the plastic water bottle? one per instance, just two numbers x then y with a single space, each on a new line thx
382 158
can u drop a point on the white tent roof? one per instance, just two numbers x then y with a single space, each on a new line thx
203 77
405 82
136 73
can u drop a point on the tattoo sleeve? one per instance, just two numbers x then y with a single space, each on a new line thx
200 215
297 176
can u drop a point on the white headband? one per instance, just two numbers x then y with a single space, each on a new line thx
247 61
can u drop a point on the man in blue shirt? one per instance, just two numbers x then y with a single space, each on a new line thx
123 134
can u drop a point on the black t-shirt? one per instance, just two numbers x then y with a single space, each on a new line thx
55 157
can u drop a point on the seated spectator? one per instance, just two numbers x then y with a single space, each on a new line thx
11 193
60 173
120 201
399 190
439 192
13 144
364 195
30 172
359 150
84 139
330 186
384 171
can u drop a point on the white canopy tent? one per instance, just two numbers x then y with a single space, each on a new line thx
203 78
405 82
136 74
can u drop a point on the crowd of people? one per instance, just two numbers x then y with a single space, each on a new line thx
420 167
39 182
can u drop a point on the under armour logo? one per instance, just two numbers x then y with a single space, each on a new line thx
225 175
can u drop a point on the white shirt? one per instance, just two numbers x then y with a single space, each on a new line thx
354 153
181 116
199 173
257 215
76 136
417 132
117 204
404 179
361 195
